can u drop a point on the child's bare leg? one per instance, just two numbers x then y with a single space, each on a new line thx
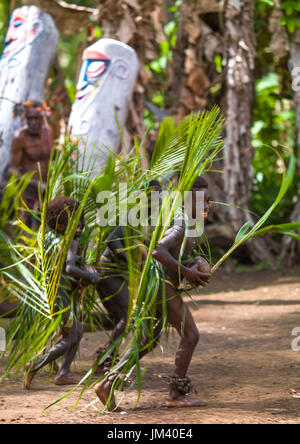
181 318
114 295
53 354
68 344
117 308
104 389
62 377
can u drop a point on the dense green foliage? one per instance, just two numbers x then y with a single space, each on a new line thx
274 120
68 60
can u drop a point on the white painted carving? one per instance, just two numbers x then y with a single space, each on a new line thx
104 91
30 45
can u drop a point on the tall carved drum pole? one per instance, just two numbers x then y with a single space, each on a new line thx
30 45
104 89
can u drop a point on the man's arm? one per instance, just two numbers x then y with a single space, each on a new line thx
76 272
162 252
16 156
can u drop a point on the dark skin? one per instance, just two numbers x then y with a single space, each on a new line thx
68 343
8 309
178 314
32 145
114 284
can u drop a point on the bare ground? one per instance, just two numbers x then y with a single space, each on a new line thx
244 366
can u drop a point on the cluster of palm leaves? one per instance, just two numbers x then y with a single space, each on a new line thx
33 273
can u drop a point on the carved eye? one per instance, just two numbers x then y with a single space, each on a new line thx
96 69
18 23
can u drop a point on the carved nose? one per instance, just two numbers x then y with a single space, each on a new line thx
8 41
82 85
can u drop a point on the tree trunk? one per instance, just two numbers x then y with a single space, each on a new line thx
294 66
192 72
238 153
24 65
291 247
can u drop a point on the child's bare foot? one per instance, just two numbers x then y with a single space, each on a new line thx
65 380
185 401
29 376
103 390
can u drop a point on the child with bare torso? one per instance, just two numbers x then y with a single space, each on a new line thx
59 211
167 253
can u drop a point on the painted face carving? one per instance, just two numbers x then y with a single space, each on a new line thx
93 71
21 31
105 85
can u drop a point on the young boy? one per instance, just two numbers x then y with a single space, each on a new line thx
113 289
58 214
167 252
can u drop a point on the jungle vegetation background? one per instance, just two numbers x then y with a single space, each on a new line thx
194 54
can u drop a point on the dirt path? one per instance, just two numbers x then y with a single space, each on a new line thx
244 366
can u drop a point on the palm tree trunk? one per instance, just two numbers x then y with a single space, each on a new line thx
238 153
291 247
239 86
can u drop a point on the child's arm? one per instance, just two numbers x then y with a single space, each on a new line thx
174 237
16 156
115 242
76 272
